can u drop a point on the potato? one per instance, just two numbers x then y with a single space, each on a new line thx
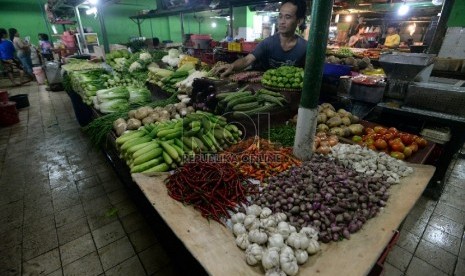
133 124
322 128
334 121
328 105
346 121
329 113
354 119
343 112
321 119
336 131
131 113
346 131
356 129
148 120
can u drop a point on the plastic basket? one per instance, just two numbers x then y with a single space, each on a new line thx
336 70
8 114
235 47
248 46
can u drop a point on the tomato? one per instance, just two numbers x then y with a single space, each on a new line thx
388 136
408 152
414 147
381 130
377 128
369 130
421 142
393 141
398 146
380 144
393 130
372 147
406 138
369 136
356 138
370 141
398 155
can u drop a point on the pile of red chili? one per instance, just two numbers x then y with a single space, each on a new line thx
258 158
212 188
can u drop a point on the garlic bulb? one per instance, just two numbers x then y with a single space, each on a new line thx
270 258
258 236
238 218
249 221
301 256
313 247
242 241
268 223
298 241
284 229
275 272
293 229
254 210
288 262
280 217
266 212
239 229
276 240
310 232
253 254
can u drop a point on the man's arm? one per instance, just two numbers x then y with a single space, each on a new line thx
237 65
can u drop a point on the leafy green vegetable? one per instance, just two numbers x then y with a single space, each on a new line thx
284 135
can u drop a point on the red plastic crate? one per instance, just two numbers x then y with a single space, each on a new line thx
249 46
8 114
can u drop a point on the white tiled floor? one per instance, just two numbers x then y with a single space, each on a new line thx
56 198
56 194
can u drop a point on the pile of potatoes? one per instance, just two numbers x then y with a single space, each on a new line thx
341 123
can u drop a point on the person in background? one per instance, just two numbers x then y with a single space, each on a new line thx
392 38
7 56
23 50
358 40
283 48
45 47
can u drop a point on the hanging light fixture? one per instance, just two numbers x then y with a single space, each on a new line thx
403 9
348 18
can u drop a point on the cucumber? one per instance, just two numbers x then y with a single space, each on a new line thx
179 143
179 150
128 136
163 167
152 145
215 143
268 92
170 150
265 108
200 144
134 142
135 148
147 165
167 158
236 101
246 106
272 99
154 153
166 132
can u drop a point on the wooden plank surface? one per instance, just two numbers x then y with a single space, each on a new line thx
214 245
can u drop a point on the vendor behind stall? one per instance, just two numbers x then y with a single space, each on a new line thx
283 48
358 40
392 38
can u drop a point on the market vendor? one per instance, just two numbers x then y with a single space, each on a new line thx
392 38
358 40
283 48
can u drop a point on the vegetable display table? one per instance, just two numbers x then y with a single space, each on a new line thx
213 245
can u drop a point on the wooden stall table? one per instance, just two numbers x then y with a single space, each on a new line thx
214 247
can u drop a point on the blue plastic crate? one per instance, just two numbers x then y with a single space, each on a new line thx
336 70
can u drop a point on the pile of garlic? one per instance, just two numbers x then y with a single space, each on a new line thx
270 241
371 163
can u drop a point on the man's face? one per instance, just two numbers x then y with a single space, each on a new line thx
391 30
287 20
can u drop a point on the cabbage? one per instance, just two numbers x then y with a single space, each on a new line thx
139 95
114 105
118 92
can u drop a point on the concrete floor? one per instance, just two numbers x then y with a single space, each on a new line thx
63 211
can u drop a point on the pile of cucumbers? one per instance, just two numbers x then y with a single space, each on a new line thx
245 103
164 146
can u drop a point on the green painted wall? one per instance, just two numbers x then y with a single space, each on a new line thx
27 17
456 18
